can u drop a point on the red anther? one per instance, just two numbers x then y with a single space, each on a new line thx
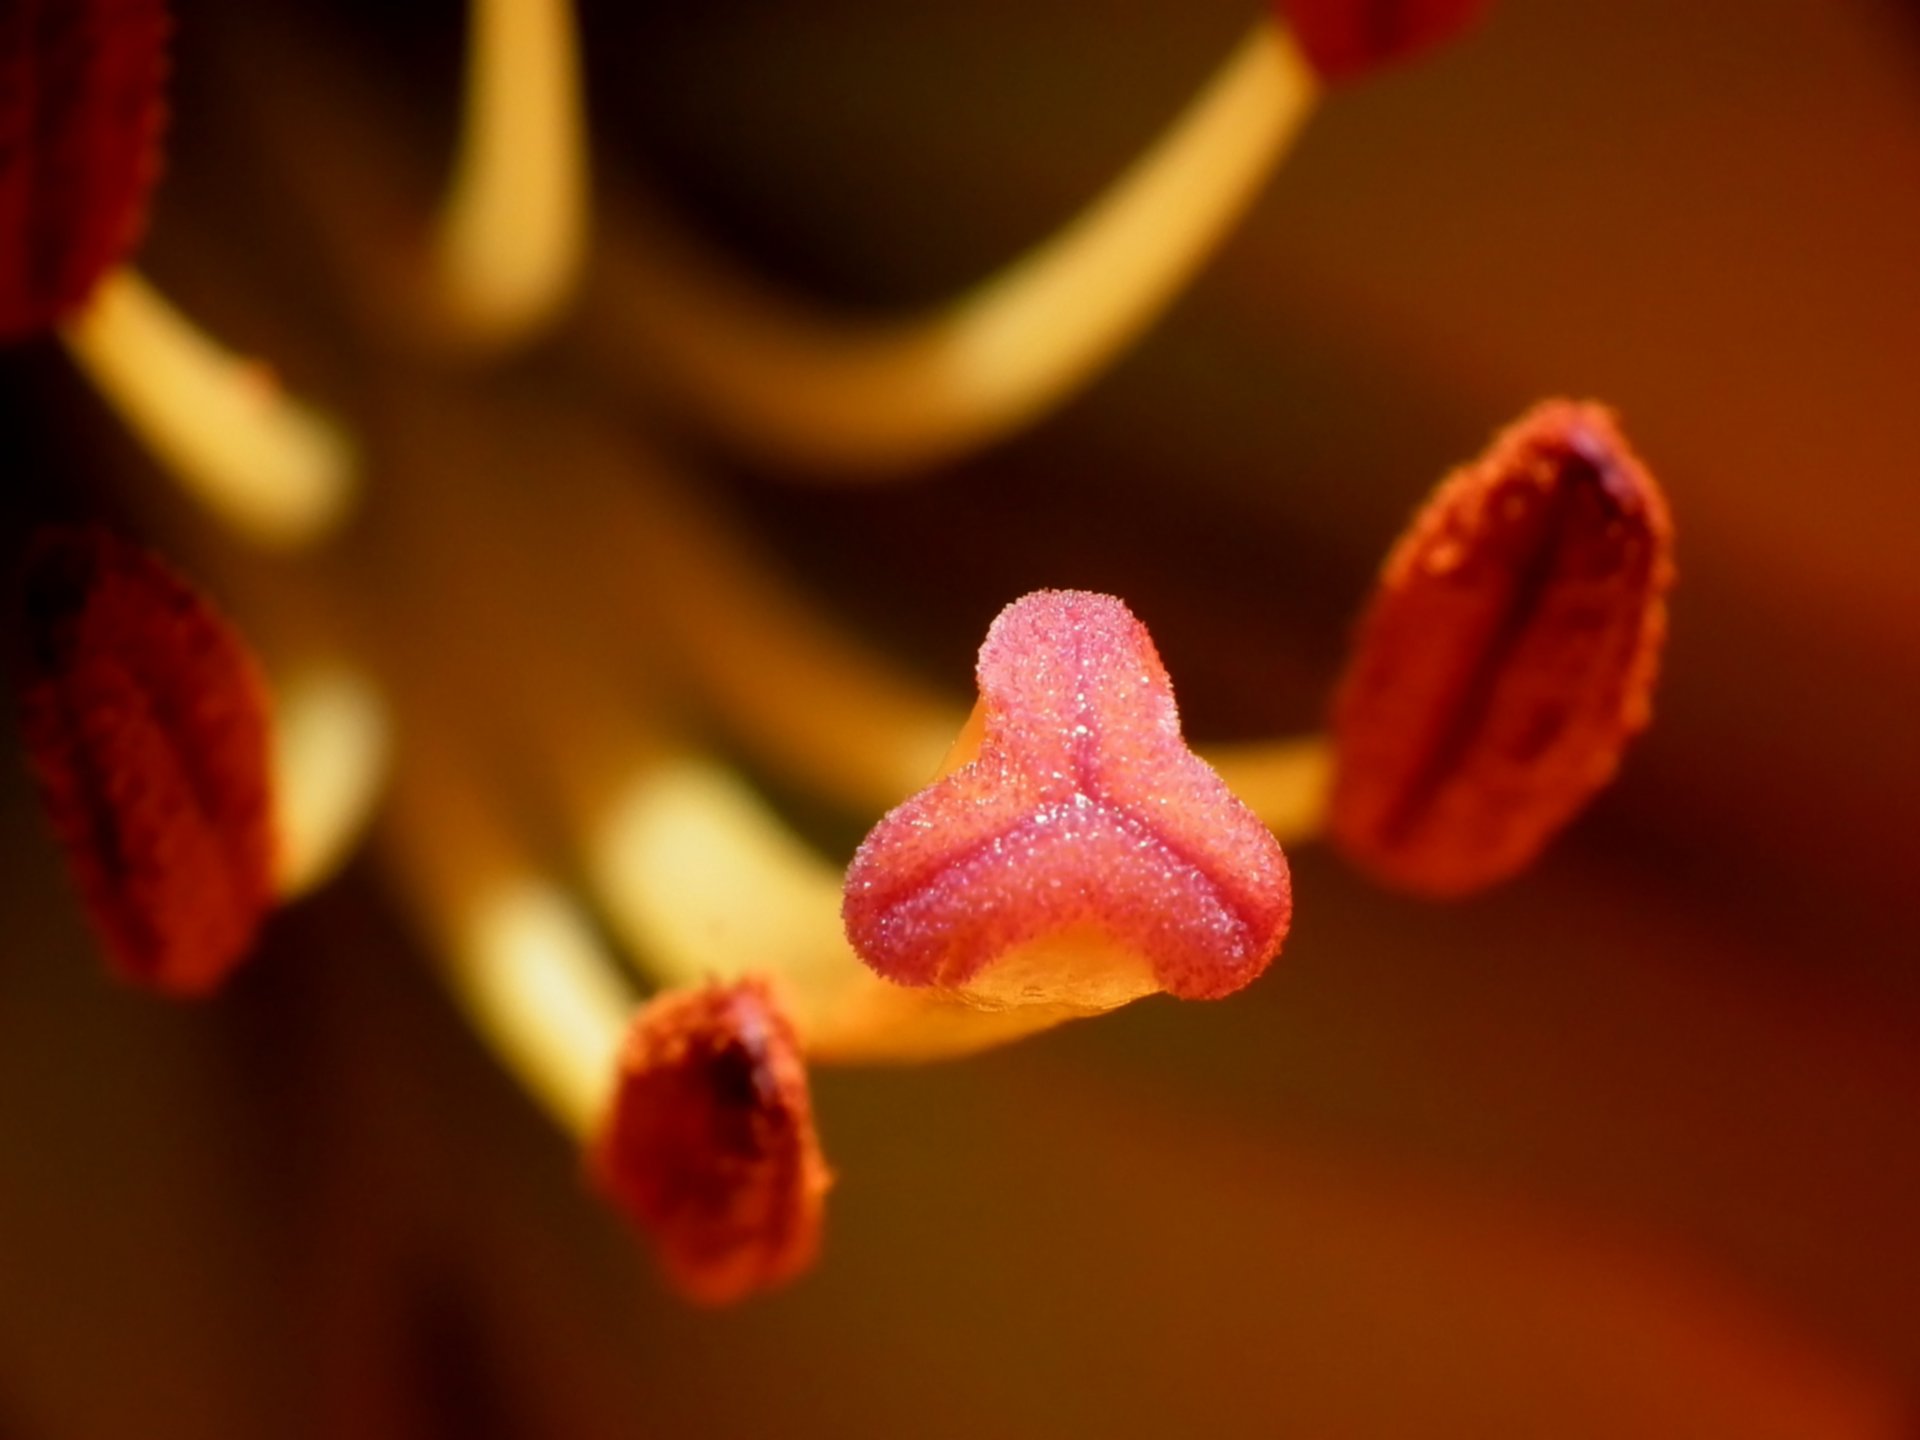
1086 855
709 1144
82 105
1508 656
146 722
1347 39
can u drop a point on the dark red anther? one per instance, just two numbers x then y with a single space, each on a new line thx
709 1143
1348 39
1508 656
82 105
146 722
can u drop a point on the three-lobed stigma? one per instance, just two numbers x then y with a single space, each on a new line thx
1084 856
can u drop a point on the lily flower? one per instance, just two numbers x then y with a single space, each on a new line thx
631 755
1071 856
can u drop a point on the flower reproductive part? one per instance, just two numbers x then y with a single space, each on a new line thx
709 1146
1508 655
81 110
145 719
1083 856
1349 39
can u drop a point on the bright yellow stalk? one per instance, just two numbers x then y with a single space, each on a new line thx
828 712
704 881
699 878
788 683
796 384
514 224
517 952
276 471
330 745
1284 782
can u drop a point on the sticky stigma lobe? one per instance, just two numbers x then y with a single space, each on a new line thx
1350 39
709 1145
1508 655
146 725
82 106
1085 856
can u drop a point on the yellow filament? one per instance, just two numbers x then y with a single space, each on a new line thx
514 224
697 876
516 951
275 470
518 954
329 759
537 983
704 882
800 385
826 711
788 682
1284 782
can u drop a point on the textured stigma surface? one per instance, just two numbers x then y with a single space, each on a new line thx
1508 656
709 1143
1084 813
145 720
1347 39
81 108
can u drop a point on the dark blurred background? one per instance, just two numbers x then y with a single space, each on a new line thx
1626 1148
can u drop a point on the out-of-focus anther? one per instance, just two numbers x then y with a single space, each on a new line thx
146 722
82 106
709 1146
1507 657
1349 40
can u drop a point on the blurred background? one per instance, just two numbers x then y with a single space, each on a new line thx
1626 1148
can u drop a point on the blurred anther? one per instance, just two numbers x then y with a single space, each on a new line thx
145 719
81 111
1507 657
709 1143
1350 39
